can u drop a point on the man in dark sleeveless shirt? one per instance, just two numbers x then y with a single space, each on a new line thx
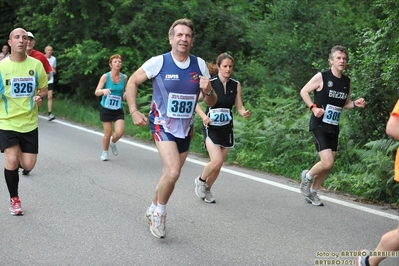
331 90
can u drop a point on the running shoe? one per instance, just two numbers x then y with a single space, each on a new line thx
209 197
104 156
363 259
314 199
15 206
113 148
147 215
305 184
157 226
200 188
25 172
50 117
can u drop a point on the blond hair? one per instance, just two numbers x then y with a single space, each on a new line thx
113 57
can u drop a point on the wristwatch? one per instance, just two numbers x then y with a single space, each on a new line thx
210 93
311 107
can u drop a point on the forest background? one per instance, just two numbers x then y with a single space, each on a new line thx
278 45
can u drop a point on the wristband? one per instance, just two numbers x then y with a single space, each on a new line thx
311 107
354 105
133 112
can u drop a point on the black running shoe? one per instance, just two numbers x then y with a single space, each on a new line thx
25 172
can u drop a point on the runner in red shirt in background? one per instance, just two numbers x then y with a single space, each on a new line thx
36 54
42 58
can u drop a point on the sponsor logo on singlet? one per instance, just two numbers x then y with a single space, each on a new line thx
337 95
172 77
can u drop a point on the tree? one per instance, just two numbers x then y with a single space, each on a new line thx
375 73
7 18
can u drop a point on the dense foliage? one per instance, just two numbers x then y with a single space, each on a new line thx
278 47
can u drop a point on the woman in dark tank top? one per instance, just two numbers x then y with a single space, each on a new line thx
218 123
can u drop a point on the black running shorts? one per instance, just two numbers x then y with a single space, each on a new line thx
29 141
223 136
324 141
107 115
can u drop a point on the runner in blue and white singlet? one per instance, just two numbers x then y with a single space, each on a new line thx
175 93
178 78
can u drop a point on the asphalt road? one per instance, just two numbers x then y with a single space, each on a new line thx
80 210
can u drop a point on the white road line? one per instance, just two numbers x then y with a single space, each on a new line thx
251 177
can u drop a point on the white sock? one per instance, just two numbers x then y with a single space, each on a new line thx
312 190
308 176
160 208
152 207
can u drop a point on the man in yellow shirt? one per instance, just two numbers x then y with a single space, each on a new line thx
21 77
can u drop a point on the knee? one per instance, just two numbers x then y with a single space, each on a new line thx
13 162
172 175
119 128
217 164
216 161
107 134
118 134
327 164
28 164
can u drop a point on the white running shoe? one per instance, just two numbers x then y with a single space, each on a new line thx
15 207
50 117
113 148
209 197
305 183
147 215
157 225
313 198
104 156
200 188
